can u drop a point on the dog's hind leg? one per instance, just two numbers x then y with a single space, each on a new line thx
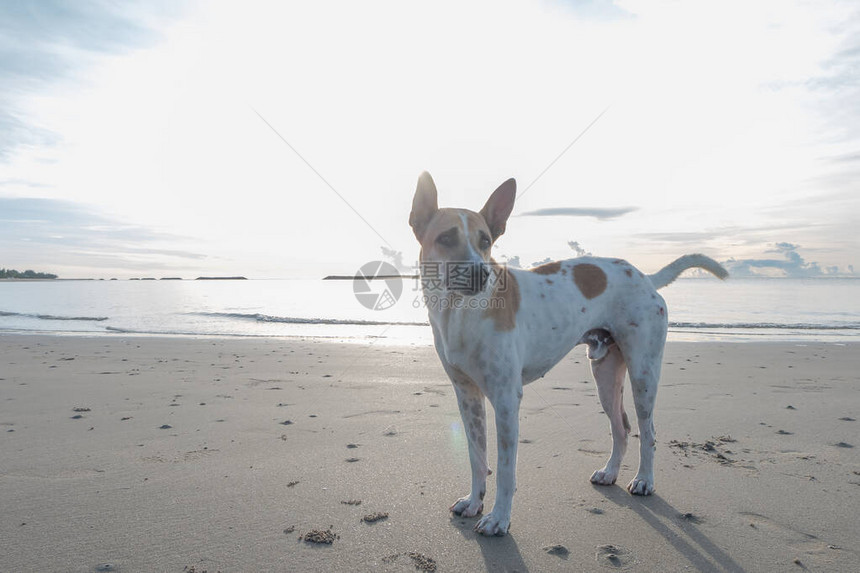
473 413
644 368
609 374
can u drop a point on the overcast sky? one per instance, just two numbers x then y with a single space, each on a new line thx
275 139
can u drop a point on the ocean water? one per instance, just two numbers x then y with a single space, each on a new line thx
699 309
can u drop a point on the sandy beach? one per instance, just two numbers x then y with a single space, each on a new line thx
228 454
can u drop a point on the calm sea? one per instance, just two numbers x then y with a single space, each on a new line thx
699 309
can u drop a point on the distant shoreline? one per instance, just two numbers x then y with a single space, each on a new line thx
359 277
21 280
366 278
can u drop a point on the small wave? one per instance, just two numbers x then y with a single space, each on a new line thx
55 317
763 325
258 317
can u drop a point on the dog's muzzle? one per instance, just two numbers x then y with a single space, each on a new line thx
467 277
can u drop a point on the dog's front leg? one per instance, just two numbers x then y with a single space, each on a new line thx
507 407
473 413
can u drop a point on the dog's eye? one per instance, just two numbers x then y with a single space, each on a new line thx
447 239
484 242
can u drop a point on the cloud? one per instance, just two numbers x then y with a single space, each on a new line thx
17 132
48 41
738 235
48 233
784 247
22 183
845 158
580 252
512 261
685 236
603 214
541 262
835 88
596 9
396 259
37 219
791 265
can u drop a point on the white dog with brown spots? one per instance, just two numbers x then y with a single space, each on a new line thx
503 328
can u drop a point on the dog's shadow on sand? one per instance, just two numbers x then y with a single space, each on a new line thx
500 553
684 534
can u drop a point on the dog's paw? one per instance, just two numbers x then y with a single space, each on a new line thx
641 485
492 524
604 477
467 507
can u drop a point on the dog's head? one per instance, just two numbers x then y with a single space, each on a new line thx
456 243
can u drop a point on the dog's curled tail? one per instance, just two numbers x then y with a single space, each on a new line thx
671 271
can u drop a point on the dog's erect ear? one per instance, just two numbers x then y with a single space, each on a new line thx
424 205
499 207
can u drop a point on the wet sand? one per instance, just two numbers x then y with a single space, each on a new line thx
179 454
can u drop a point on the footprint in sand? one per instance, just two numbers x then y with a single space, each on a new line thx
374 517
557 550
422 562
691 517
320 537
614 557
795 538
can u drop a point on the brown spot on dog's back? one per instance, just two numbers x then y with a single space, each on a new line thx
505 301
590 279
628 272
548 268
